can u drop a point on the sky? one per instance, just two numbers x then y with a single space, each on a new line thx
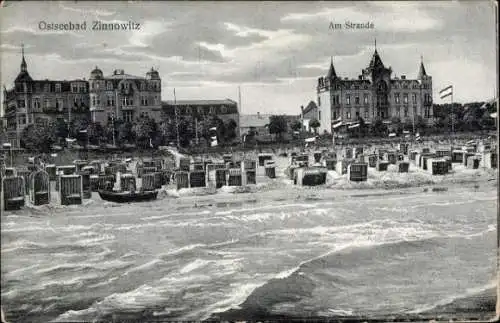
273 51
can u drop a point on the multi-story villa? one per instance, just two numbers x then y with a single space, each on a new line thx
374 94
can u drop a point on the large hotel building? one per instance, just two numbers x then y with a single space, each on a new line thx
98 99
374 94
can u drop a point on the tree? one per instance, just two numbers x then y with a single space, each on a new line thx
39 137
277 125
61 128
296 125
145 129
125 132
396 125
76 126
314 123
378 128
95 132
420 124
230 129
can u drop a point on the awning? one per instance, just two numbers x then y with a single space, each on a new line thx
7 145
337 125
354 126
392 134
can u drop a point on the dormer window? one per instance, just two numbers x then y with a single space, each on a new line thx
58 87
109 86
143 86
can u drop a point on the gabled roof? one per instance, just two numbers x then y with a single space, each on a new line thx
376 62
421 72
311 106
331 72
23 77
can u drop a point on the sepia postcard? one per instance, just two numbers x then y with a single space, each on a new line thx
166 161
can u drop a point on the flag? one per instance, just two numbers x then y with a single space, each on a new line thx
447 91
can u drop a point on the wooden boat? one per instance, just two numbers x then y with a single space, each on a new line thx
128 197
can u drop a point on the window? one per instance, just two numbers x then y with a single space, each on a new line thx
414 110
398 112
334 115
144 99
396 97
199 109
356 100
365 98
348 114
22 104
22 119
414 97
143 86
357 114
156 100
46 103
406 111
366 113
36 104
189 110
319 100
92 85
109 86
111 100
319 115
427 112
82 88
131 101
76 100
223 109
46 87
59 105
97 85
348 99
212 110
405 98
58 87
96 100
128 115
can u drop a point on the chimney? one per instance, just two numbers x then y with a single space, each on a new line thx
258 115
302 108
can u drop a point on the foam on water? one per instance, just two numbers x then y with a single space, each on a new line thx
188 265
